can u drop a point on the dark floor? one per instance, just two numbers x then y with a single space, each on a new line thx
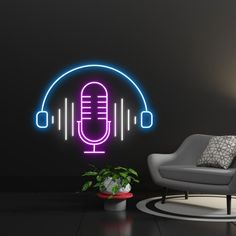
70 214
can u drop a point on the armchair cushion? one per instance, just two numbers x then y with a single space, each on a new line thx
219 153
200 175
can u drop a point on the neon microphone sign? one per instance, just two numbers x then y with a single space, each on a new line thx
94 125
87 111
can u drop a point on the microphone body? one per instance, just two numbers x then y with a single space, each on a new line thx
94 126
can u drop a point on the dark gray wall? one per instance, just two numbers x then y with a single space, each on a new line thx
182 52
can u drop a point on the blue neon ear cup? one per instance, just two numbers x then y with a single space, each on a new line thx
146 119
41 119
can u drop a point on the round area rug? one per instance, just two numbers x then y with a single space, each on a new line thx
210 208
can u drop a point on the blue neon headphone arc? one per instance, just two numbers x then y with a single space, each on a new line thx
146 116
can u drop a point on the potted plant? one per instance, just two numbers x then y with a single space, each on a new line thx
110 180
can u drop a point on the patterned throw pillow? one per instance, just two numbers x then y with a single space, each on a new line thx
219 153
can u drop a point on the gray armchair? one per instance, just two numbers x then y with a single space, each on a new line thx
178 171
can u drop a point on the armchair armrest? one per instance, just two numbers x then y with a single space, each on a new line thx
155 161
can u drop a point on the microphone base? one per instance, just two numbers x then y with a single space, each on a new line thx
94 152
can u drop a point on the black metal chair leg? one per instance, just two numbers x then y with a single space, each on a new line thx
186 195
228 197
164 193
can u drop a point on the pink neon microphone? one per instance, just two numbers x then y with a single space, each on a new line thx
94 126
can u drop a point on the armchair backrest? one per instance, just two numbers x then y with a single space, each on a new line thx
191 149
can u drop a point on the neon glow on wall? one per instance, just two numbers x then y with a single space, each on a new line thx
99 120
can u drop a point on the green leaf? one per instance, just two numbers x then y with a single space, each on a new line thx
101 171
105 173
99 178
123 174
114 189
110 197
135 180
115 177
132 171
97 185
90 173
124 182
101 187
86 185
120 168
129 179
